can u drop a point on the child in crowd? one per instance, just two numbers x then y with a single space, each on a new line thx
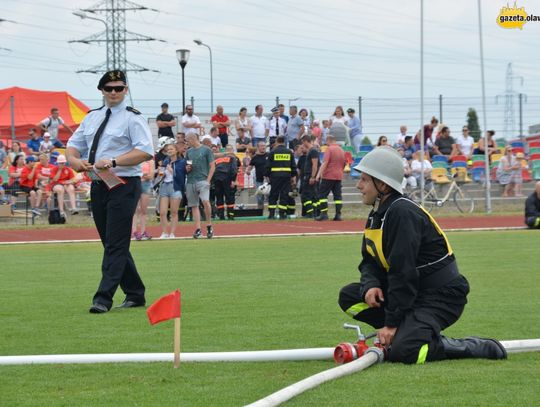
46 145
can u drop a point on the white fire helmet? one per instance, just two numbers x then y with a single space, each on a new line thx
264 189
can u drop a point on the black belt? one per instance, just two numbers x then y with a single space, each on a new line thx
440 277
124 178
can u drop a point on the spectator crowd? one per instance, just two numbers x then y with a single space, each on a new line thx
197 174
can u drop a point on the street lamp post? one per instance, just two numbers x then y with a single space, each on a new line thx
82 15
183 55
199 42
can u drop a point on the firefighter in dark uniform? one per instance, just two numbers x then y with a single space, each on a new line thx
224 182
300 163
114 139
309 173
281 170
410 287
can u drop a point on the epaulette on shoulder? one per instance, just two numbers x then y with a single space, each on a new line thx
98 108
132 110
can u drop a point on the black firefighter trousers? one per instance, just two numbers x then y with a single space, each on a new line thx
418 336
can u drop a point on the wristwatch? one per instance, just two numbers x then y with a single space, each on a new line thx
113 162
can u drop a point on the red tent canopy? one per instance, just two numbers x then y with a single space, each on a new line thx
32 106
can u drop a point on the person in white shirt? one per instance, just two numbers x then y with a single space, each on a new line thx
243 122
52 124
190 122
416 168
276 126
465 143
46 145
400 138
214 137
408 178
259 124
338 116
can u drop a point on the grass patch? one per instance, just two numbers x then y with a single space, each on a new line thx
251 294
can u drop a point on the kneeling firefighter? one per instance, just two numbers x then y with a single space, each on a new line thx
410 287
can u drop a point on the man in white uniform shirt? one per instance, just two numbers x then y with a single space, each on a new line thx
114 139
190 122
276 126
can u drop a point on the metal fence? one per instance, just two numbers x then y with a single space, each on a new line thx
380 116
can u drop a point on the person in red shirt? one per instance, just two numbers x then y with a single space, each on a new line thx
330 175
43 174
28 182
222 123
63 180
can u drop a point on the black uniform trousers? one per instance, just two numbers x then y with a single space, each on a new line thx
326 186
309 198
420 326
113 212
279 191
225 195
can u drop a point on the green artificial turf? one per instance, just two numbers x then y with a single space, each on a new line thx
253 294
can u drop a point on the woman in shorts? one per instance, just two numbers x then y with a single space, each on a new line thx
172 188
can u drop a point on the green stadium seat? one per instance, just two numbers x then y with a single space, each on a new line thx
4 175
439 164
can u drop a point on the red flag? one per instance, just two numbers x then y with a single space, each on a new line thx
167 307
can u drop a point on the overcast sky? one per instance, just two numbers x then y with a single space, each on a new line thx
323 52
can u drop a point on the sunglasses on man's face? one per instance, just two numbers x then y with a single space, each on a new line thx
117 89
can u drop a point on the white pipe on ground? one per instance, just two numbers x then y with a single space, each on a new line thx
249 356
525 345
521 345
372 356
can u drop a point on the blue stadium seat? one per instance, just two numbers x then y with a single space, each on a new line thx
439 158
354 173
459 164
366 148
479 174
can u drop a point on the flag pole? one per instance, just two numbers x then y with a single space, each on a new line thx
176 343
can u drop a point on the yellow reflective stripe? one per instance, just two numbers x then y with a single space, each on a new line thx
282 207
338 202
323 200
308 203
272 206
374 237
324 210
448 247
422 355
282 169
309 210
282 157
356 309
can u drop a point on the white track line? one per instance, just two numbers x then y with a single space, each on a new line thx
259 235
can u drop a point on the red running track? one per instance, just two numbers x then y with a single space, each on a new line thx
255 228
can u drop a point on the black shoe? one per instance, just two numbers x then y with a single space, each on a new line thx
271 217
131 304
98 308
209 232
337 217
473 347
197 234
322 216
